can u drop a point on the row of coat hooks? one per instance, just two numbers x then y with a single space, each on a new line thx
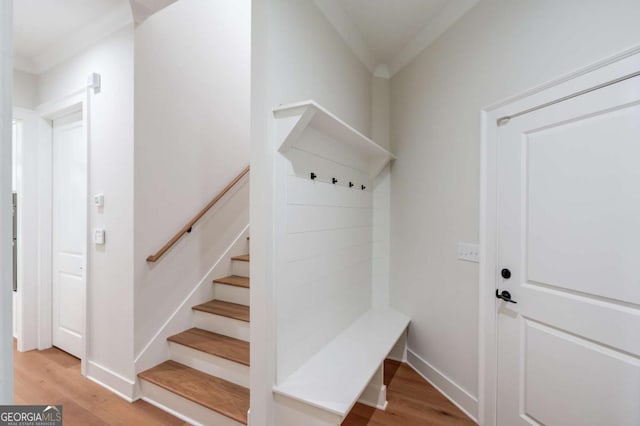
333 181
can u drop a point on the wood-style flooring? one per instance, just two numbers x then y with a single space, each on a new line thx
53 377
412 402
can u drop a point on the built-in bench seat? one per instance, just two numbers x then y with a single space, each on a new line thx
325 388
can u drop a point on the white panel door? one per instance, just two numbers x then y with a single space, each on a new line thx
569 233
69 233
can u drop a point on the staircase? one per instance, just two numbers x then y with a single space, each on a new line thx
206 379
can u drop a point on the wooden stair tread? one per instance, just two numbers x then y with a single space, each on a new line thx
234 280
225 309
214 344
223 397
243 258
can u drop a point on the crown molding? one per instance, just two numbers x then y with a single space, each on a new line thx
23 64
434 29
436 26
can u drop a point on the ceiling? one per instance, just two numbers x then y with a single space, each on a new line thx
384 34
387 34
142 9
47 32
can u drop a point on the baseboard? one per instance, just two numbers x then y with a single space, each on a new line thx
121 386
156 350
454 392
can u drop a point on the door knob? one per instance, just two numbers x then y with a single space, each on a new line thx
506 274
505 295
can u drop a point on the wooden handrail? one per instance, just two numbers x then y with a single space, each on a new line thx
187 228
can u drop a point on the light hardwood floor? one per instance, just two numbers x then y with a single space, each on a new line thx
53 377
412 402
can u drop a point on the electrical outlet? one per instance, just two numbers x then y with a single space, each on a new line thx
469 252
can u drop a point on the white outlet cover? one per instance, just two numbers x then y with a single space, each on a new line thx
469 252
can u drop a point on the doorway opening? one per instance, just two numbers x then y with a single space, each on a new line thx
51 174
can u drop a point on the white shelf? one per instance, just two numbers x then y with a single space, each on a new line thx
335 377
295 118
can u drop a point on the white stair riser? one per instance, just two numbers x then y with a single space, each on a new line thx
240 268
230 293
182 408
210 364
221 325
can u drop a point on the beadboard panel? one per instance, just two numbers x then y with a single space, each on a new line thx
324 248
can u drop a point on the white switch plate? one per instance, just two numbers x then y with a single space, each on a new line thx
98 200
469 252
98 236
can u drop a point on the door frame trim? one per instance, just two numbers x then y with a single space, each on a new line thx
27 316
78 100
607 70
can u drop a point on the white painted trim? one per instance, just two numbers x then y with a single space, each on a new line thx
434 29
339 19
353 38
605 70
80 99
455 393
108 379
155 351
77 41
27 312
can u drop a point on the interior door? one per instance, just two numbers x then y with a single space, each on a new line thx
569 255
69 233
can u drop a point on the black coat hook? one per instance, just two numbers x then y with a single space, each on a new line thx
334 180
363 187
313 176
350 184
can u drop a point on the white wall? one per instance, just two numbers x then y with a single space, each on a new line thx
192 98
296 55
110 274
380 132
498 49
6 343
24 89
311 61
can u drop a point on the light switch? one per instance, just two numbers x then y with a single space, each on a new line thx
98 236
469 252
98 200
